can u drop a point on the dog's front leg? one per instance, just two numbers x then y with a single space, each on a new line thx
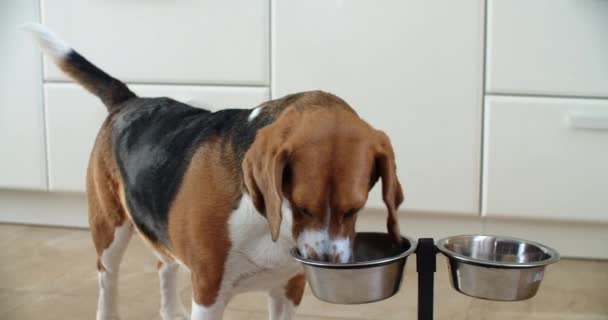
212 312
208 302
283 301
279 306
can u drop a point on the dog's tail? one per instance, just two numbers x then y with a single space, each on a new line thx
111 91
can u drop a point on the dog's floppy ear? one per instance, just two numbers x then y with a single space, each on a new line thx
392 194
263 167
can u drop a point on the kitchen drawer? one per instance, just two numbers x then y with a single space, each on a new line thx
410 68
74 117
548 47
546 158
186 41
22 158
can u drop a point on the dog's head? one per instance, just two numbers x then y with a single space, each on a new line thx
323 160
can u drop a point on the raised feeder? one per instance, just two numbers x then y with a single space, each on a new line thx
481 266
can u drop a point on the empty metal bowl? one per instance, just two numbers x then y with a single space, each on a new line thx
495 267
375 275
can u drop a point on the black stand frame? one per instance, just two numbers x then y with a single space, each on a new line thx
426 265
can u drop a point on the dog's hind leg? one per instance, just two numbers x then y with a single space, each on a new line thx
111 229
108 265
171 306
111 234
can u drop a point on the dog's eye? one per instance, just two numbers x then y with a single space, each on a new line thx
305 212
350 214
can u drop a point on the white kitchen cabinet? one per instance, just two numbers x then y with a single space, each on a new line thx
22 150
548 47
74 117
187 41
546 158
410 68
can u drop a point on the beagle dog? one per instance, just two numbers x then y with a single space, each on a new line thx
226 194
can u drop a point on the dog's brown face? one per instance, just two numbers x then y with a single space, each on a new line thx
323 162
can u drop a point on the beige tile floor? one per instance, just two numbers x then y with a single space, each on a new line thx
49 273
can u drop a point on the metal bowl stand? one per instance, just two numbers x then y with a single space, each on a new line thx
426 265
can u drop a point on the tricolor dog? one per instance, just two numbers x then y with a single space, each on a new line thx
226 194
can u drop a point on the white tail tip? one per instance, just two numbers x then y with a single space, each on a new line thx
52 44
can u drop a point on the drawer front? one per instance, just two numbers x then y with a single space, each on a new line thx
74 117
22 160
191 41
415 73
546 158
548 47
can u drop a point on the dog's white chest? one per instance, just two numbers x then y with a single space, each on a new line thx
255 262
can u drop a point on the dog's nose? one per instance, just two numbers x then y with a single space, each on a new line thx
321 257
335 258
340 258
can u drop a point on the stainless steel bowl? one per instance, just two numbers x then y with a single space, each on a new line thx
375 275
495 267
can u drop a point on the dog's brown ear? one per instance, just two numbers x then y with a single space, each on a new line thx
392 194
263 167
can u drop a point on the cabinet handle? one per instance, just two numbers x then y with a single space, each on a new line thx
588 120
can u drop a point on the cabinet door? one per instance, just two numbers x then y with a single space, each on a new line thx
548 47
22 151
188 41
75 116
410 68
546 158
